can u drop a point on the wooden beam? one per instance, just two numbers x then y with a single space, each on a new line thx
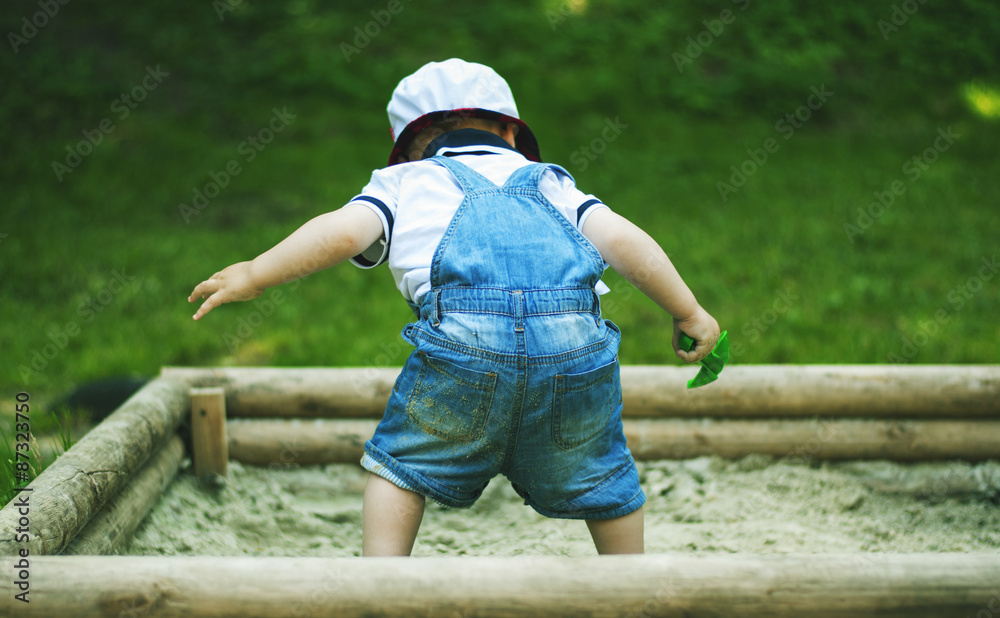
300 392
750 586
113 526
856 391
318 441
752 391
208 432
285 442
68 493
822 439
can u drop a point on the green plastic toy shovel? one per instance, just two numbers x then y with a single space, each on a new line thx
711 365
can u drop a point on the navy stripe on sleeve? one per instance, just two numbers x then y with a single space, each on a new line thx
363 261
583 208
360 259
381 206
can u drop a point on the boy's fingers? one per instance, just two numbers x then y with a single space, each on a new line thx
203 289
699 353
213 298
701 350
196 293
686 356
206 306
689 357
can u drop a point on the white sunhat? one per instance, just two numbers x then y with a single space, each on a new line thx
439 90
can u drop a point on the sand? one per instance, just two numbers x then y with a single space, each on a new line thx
706 505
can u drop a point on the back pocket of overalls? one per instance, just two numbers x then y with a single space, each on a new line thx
583 403
449 401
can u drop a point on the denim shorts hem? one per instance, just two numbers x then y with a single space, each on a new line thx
619 511
372 465
377 461
616 508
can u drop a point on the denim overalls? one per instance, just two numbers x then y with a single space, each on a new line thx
514 370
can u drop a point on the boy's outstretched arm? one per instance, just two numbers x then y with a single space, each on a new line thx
637 257
320 243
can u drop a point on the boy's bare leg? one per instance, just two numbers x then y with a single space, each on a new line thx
622 535
391 518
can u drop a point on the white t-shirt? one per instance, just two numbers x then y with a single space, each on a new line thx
416 201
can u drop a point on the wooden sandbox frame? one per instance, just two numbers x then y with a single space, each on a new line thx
89 502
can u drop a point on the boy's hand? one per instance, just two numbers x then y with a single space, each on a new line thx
701 327
232 284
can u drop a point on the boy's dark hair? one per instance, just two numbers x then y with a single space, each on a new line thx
415 151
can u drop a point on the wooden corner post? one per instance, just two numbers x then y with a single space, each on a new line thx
208 431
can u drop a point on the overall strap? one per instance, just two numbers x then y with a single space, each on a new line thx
471 180
530 175
523 234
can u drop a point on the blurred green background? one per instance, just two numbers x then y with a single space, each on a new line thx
114 115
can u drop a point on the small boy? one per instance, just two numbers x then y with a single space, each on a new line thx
514 371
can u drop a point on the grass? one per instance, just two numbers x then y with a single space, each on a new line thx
7 478
30 463
64 434
97 264
58 427
92 296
